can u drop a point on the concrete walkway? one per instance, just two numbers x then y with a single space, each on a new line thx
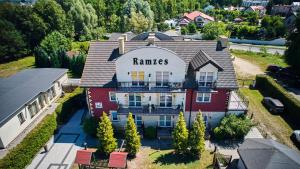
49 110
62 147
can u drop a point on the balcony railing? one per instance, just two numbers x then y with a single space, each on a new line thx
150 109
205 84
151 84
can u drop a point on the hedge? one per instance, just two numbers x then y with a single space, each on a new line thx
69 105
22 155
269 87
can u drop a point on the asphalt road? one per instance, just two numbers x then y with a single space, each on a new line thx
255 48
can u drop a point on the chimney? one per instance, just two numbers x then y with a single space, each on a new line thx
125 36
151 38
222 42
121 45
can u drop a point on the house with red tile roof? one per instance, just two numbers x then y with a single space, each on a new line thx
260 9
199 18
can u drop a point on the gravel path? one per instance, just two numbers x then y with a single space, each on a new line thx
245 68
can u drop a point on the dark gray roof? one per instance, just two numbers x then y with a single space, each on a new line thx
261 153
99 70
19 89
201 59
158 36
115 36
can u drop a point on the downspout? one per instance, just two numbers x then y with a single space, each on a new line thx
191 104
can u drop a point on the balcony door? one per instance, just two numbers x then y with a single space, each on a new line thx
165 100
162 79
165 121
137 78
135 100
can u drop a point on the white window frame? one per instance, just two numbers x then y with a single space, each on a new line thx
165 101
164 120
112 112
98 105
110 95
206 81
203 97
139 82
138 120
134 100
21 118
160 80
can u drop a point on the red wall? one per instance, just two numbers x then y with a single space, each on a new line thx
101 95
219 101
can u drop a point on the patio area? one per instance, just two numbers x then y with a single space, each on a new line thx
237 102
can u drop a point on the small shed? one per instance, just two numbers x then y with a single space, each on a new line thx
83 158
118 160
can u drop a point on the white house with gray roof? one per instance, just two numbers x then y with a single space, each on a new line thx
24 96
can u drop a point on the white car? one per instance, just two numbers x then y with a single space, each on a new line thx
296 135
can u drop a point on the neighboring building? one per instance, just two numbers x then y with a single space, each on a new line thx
232 8
176 35
24 96
283 10
159 36
155 80
260 9
262 153
199 18
248 3
290 22
171 22
208 8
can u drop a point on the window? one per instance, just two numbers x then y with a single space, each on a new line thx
114 116
138 120
135 100
98 105
137 78
206 79
203 97
33 110
162 78
112 96
21 118
165 121
165 100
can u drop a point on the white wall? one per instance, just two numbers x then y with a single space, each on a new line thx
208 68
176 65
11 129
213 117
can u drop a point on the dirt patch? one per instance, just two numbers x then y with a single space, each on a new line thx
141 160
245 68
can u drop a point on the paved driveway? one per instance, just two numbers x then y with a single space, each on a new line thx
256 48
62 147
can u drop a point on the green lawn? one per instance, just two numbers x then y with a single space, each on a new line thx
259 59
10 68
275 125
166 159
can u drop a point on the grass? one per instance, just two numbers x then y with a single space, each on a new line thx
166 159
262 60
10 68
273 125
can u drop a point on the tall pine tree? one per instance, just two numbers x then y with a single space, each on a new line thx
197 140
132 137
105 134
180 136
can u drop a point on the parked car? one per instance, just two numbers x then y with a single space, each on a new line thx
273 105
296 136
273 68
288 73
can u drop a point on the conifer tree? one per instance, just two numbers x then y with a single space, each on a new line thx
197 134
180 136
105 135
132 137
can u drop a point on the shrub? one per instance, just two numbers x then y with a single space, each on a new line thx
150 132
90 126
132 137
20 156
270 87
180 136
233 127
105 133
69 105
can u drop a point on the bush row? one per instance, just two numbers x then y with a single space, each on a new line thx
20 156
69 105
270 87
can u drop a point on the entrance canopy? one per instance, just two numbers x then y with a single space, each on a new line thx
117 160
83 157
